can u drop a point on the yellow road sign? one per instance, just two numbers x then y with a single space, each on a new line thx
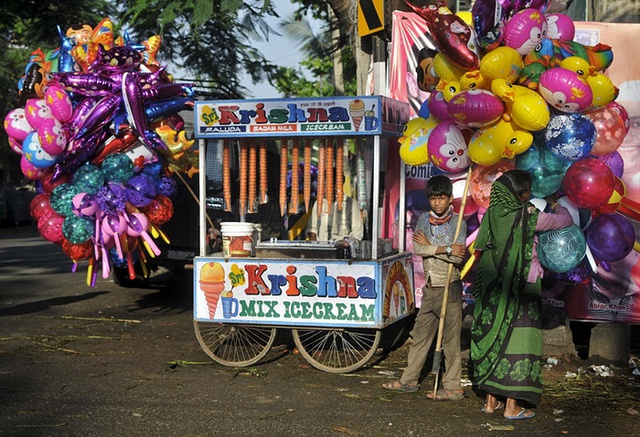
370 16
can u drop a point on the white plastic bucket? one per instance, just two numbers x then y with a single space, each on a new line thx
237 238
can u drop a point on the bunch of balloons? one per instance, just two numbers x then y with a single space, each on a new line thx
97 126
511 89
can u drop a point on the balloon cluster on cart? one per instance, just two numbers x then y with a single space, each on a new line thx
513 90
98 129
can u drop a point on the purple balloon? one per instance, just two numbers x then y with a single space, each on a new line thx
111 198
614 161
168 187
578 275
140 190
610 237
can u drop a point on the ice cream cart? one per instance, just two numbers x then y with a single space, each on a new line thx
337 309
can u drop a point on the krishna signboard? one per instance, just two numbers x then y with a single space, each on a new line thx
359 115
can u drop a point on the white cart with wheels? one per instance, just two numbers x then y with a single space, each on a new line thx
340 311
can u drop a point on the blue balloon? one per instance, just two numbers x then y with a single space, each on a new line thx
424 109
561 250
546 170
570 136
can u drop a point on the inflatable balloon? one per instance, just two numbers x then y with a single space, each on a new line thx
501 63
52 136
50 228
140 190
473 80
413 143
475 108
77 229
565 90
481 179
604 92
58 102
614 161
88 178
444 69
437 106
588 183
159 210
561 250
15 145
610 130
30 171
447 147
504 139
83 205
426 76
526 107
610 237
546 170
453 37
34 153
16 124
78 252
578 275
61 199
489 19
622 112
39 206
570 136
560 26
36 111
525 30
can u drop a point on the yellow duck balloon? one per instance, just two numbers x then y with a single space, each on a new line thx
526 107
503 139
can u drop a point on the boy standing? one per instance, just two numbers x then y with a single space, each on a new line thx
433 240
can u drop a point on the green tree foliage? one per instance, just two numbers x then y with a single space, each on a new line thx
207 39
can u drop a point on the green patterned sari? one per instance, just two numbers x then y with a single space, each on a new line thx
506 336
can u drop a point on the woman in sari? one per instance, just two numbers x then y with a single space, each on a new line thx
506 335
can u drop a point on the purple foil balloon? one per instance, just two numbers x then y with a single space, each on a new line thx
111 198
578 275
140 190
168 187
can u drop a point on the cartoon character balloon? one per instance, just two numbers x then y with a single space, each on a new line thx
565 90
525 30
447 146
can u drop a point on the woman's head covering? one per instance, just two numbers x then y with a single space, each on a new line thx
506 236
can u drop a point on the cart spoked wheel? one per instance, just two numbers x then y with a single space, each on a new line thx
337 350
234 345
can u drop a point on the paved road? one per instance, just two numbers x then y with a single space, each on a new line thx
107 361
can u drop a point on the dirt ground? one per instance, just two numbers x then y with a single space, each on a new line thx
105 361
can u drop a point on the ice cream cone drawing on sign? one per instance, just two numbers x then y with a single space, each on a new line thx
212 284
356 111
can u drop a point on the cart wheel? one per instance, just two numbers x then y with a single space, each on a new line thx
234 345
337 350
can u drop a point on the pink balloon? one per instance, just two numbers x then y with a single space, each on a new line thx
59 103
36 111
610 130
53 138
560 27
565 90
623 113
30 171
437 105
475 108
525 30
588 183
482 177
50 227
16 124
15 145
447 146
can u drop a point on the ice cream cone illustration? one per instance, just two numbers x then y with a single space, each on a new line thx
356 111
212 283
